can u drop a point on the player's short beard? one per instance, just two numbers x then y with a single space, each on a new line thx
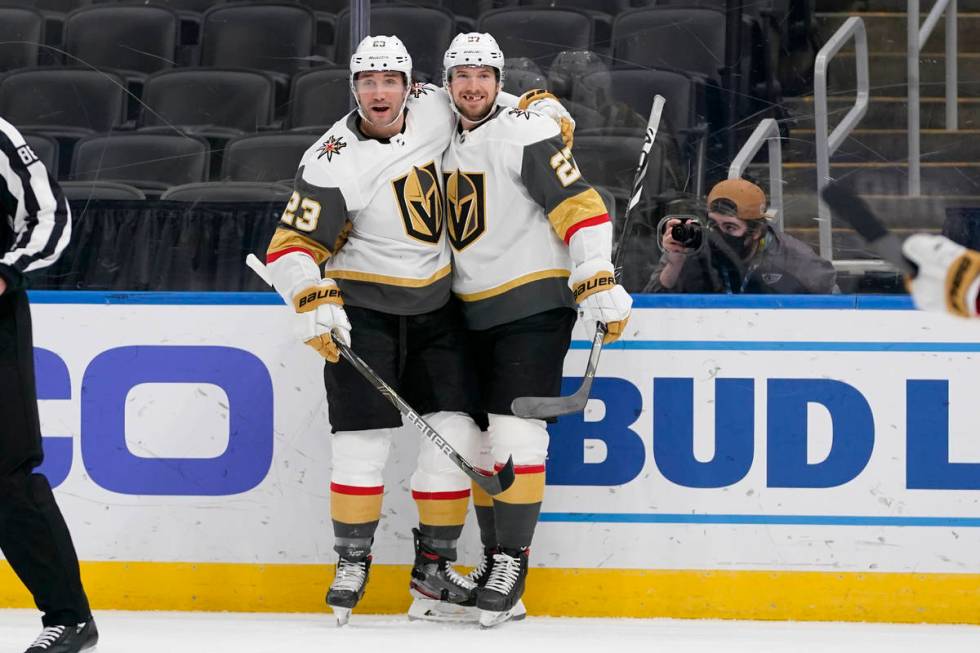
482 112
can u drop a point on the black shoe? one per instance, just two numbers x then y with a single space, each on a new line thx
66 639
505 586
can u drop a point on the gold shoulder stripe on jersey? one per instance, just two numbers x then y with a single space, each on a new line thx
574 209
514 283
403 282
284 239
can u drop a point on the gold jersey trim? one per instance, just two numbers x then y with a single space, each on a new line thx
585 205
403 282
513 283
284 239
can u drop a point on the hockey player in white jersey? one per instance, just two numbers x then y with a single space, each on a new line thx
531 242
361 256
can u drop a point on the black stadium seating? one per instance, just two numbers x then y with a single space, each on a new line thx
228 191
21 36
537 32
688 39
100 190
320 96
425 31
230 101
151 162
274 37
264 157
68 101
135 38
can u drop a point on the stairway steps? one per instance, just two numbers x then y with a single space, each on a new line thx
887 75
942 178
887 32
887 5
885 112
885 145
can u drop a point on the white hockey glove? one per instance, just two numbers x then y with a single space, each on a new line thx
600 298
949 275
546 103
321 318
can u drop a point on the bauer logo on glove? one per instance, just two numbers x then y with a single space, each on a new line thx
317 296
596 284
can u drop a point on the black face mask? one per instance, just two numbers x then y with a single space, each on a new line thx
741 245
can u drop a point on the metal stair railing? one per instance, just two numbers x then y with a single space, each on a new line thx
826 144
917 37
766 133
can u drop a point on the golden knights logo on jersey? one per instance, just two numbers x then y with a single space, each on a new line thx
420 202
466 213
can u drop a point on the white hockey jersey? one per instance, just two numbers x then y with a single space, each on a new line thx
371 212
514 199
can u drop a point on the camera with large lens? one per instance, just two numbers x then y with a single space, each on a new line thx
687 233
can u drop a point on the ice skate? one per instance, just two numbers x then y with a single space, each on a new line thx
438 591
66 639
348 587
499 600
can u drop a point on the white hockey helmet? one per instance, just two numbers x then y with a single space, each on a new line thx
473 49
381 53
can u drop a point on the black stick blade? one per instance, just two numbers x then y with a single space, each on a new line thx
548 407
853 210
494 484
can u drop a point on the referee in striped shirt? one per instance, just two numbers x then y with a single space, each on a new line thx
35 225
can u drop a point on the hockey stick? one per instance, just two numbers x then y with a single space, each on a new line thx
492 484
853 210
547 407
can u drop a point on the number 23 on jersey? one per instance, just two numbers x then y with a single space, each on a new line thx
305 221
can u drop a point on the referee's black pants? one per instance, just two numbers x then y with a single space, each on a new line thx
33 536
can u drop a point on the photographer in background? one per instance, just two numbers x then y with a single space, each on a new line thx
737 251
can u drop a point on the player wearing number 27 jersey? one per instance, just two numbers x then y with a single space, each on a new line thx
531 240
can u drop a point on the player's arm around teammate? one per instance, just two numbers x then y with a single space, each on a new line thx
531 243
361 255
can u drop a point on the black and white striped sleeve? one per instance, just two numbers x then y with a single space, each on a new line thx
35 208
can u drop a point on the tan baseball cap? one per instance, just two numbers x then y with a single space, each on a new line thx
748 198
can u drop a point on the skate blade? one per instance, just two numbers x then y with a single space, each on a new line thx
342 615
490 619
426 609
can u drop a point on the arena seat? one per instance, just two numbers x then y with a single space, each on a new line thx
538 32
151 162
264 157
208 100
21 36
320 96
228 191
141 39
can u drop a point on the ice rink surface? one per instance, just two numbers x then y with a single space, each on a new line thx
182 632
